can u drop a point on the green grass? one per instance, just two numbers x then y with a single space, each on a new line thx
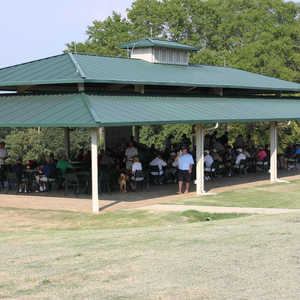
48 254
197 216
281 195
143 255
29 220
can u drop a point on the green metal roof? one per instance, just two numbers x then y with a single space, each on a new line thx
83 110
78 68
148 42
146 110
67 110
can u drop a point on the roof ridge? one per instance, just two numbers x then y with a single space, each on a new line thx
32 61
77 65
105 56
86 102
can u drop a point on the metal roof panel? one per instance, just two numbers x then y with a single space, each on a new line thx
145 110
67 110
63 69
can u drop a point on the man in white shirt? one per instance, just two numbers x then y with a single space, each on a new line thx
160 163
130 152
3 153
208 161
185 167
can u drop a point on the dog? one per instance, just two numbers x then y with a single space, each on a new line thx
123 182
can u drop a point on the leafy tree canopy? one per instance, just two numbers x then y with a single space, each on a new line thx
258 36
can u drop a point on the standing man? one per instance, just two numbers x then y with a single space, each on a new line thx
185 167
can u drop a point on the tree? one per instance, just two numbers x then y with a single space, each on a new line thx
30 144
257 36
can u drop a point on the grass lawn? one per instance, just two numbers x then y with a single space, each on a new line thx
281 195
144 255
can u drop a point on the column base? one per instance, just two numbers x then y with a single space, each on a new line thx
280 181
206 193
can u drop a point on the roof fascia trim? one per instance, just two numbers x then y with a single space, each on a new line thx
90 80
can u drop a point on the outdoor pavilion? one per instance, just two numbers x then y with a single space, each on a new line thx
156 85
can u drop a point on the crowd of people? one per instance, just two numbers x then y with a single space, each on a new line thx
173 163
32 175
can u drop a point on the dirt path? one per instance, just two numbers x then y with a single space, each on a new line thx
116 200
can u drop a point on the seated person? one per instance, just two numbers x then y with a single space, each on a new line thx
160 163
297 151
262 154
240 156
136 166
63 164
246 152
44 174
172 167
288 153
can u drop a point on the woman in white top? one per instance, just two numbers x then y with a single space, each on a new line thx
136 166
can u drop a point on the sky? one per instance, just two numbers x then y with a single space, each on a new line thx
34 29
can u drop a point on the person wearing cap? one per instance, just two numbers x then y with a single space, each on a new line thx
208 161
185 167
240 156
3 153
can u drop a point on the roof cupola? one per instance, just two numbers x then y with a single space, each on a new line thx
159 51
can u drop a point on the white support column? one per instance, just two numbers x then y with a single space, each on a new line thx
200 159
94 149
273 152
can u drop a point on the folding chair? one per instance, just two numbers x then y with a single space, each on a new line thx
155 178
139 179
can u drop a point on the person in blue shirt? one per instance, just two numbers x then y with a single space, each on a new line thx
185 167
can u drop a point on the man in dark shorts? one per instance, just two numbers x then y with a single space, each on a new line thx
185 167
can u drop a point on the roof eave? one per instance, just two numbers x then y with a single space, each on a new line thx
158 83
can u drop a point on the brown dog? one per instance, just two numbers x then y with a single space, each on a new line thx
123 182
